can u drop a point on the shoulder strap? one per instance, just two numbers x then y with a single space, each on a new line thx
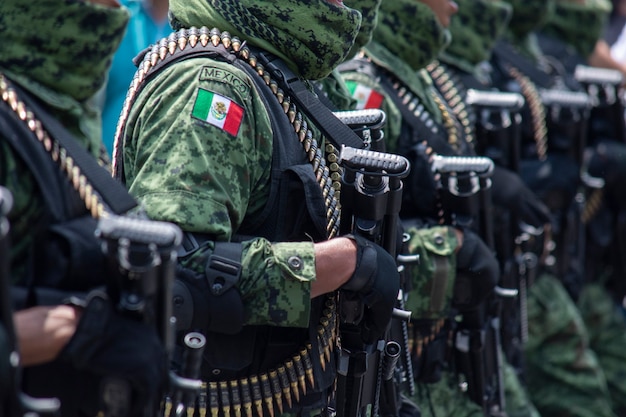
333 129
506 54
113 194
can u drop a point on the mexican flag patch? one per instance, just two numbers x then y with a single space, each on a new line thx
218 110
366 97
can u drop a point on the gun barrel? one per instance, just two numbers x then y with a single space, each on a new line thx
375 162
461 164
496 100
565 98
595 75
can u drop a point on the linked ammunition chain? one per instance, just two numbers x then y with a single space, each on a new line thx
449 89
286 382
592 205
537 110
324 161
93 201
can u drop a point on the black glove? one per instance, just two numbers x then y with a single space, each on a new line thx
509 191
608 162
478 272
554 180
376 280
124 356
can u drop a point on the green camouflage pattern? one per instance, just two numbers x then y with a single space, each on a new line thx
411 31
516 400
606 327
529 15
187 182
475 28
59 50
445 399
312 36
418 82
432 281
369 19
564 377
579 25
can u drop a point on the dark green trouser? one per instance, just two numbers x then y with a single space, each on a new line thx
564 375
606 326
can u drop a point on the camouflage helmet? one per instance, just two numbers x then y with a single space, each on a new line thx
579 24
476 27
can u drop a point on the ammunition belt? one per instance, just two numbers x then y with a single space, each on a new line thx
450 90
288 380
93 201
422 335
324 161
537 110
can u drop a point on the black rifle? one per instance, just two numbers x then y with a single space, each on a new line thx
13 402
464 184
604 87
567 118
371 199
144 254
368 124
517 245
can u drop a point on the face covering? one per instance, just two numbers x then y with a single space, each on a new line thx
312 36
369 12
529 15
65 45
579 25
476 28
411 31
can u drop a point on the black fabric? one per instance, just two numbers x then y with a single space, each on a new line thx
108 354
509 191
478 272
376 283
65 254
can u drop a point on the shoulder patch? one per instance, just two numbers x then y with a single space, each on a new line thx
366 97
218 111
210 73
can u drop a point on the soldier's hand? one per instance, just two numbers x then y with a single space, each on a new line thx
377 281
478 272
510 192
126 356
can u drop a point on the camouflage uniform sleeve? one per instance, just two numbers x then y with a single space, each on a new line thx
432 280
363 87
198 150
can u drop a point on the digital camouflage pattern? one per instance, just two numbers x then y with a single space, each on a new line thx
529 15
606 327
313 36
475 28
370 10
564 377
445 398
411 31
187 182
59 50
432 281
579 24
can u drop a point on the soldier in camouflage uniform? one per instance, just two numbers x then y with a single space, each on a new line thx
54 58
563 374
221 183
409 35
564 39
